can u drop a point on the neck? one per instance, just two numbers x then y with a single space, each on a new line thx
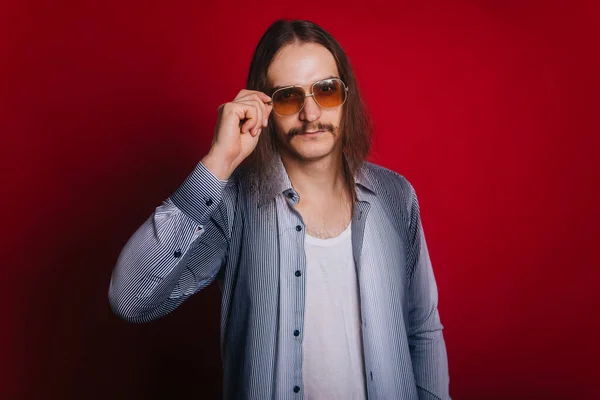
315 180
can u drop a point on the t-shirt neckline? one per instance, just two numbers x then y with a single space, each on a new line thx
315 241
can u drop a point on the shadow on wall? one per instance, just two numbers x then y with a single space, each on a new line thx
121 164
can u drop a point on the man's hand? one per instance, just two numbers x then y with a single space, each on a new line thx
237 131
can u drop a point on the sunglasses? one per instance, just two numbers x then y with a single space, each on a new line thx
328 93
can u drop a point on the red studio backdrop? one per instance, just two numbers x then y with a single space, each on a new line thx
489 108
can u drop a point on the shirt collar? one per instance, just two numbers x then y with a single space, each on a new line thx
279 182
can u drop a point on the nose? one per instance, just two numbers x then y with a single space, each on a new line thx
311 110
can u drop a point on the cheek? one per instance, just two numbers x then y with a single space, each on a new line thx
332 114
280 129
282 126
332 117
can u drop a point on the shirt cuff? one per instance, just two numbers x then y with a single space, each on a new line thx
200 194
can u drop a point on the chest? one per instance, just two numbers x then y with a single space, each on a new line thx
325 219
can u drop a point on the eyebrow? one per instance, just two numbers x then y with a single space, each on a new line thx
323 79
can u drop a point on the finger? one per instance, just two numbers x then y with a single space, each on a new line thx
259 101
261 111
262 98
246 114
269 108
250 117
254 123
243 112
245 93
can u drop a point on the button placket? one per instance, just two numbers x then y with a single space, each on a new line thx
294 262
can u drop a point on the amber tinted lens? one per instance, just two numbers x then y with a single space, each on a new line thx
288 101
329 93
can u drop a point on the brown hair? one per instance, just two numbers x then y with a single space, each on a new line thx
355 125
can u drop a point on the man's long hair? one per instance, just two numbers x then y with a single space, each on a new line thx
355 125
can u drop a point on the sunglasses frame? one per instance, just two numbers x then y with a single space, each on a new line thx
311 94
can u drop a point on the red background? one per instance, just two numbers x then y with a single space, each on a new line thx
490 109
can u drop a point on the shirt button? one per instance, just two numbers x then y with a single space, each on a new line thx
209 202
296 332
296 389
298 228
298 273
177 253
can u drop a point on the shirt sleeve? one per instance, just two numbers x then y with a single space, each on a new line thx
177 251
426 341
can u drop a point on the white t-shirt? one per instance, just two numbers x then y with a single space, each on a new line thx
332 355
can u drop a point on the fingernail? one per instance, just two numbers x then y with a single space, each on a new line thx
266 121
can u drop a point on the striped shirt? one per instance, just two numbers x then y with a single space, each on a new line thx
250 239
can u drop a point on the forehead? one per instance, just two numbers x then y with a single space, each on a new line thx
301 64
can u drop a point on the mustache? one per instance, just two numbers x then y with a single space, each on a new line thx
308 127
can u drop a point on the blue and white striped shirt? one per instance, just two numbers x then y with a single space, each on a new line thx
250 239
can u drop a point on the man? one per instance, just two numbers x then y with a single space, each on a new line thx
328 290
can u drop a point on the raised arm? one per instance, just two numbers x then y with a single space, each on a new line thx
182 246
